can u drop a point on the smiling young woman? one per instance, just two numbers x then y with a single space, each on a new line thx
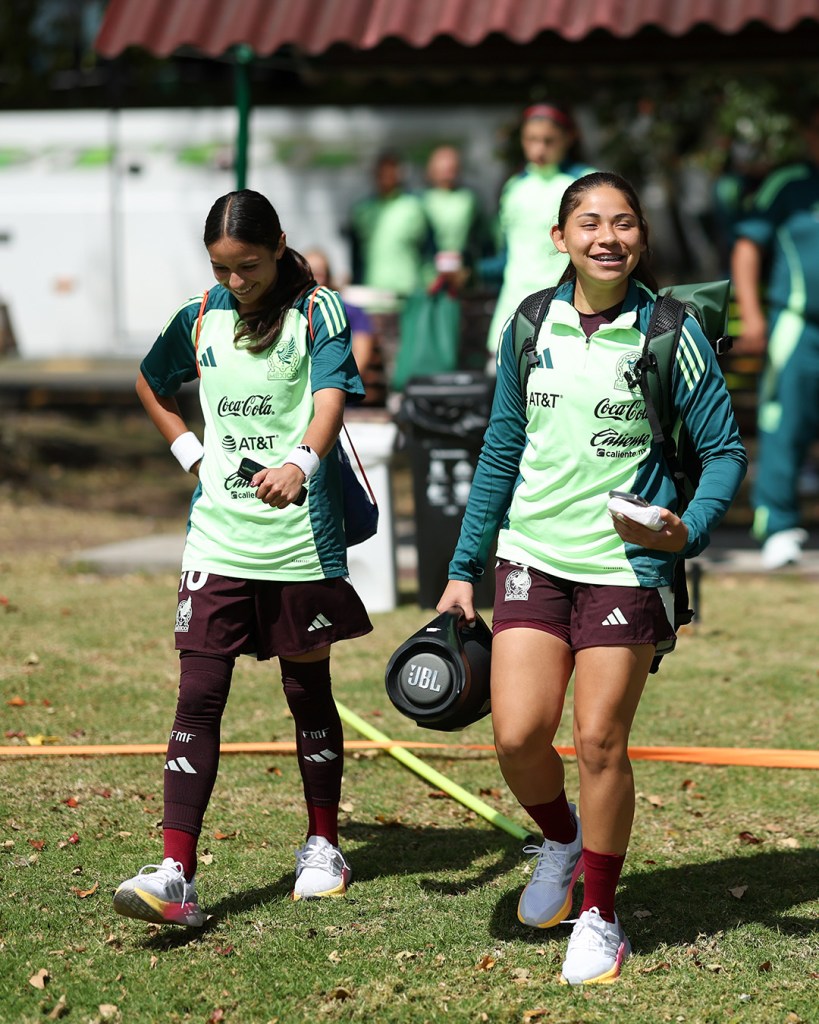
578 592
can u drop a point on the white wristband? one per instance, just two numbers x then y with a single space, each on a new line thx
187 450
305 458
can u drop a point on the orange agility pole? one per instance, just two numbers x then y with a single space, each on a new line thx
743 757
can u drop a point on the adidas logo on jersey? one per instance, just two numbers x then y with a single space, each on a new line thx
615 618
319 622
180 764
207 358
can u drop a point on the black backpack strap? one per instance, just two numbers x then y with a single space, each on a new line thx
526 325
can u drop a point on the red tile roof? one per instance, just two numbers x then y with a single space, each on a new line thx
313 26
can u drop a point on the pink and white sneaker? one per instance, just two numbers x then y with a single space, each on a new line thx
160 893
596 951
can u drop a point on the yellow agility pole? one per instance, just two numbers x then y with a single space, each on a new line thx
432 776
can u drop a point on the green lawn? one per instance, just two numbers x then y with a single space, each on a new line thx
720 893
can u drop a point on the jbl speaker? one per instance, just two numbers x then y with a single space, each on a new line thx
439 677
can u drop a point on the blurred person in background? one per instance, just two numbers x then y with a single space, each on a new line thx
527 258
775 263
459 228
390 235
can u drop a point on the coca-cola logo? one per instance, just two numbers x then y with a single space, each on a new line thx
253 405
626 412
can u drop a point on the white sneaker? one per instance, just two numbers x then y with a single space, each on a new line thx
160 894
596 951
547 899
783 548
321 870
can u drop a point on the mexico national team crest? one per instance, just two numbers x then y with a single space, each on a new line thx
183 615
625 371
518 583
283 361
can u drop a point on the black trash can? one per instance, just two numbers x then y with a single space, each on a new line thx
444 418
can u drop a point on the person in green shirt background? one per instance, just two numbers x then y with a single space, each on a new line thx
390 234
529 201
459 227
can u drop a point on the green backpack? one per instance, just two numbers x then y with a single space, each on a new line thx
707 303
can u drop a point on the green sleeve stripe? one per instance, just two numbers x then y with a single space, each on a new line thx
332 310
777 181
689 360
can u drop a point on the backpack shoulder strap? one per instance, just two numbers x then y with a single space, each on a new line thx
526 326
653 372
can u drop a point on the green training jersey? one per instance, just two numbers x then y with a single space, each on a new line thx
548 463
258 405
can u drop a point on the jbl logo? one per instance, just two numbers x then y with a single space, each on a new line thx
424 678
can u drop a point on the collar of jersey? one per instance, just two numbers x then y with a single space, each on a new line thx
561 311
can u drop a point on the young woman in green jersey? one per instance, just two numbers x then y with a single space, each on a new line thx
527 209
264 568
580 591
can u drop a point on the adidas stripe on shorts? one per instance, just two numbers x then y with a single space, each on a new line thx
580 614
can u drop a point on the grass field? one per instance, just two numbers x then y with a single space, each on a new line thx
720 894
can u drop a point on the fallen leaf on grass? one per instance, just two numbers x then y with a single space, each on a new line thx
340 993
521 974
73 839
642 913
16 702
405 954
60 1009
749 838
224 950
15 734
72 801
790 843
347 807
437 794
738 891
206 858
85 893
492 791
486 963
38 844
764 968
793 1018
40 740
532 1015
663 965
274 771
40 979
334 957
217 1016
153 961
31 659
108 1011
224 835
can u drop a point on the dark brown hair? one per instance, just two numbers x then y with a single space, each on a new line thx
607 179
247 216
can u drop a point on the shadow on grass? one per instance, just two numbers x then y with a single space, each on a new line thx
693 899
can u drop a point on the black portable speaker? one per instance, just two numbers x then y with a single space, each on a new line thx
439 677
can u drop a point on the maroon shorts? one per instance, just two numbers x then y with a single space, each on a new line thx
580 614
222 615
